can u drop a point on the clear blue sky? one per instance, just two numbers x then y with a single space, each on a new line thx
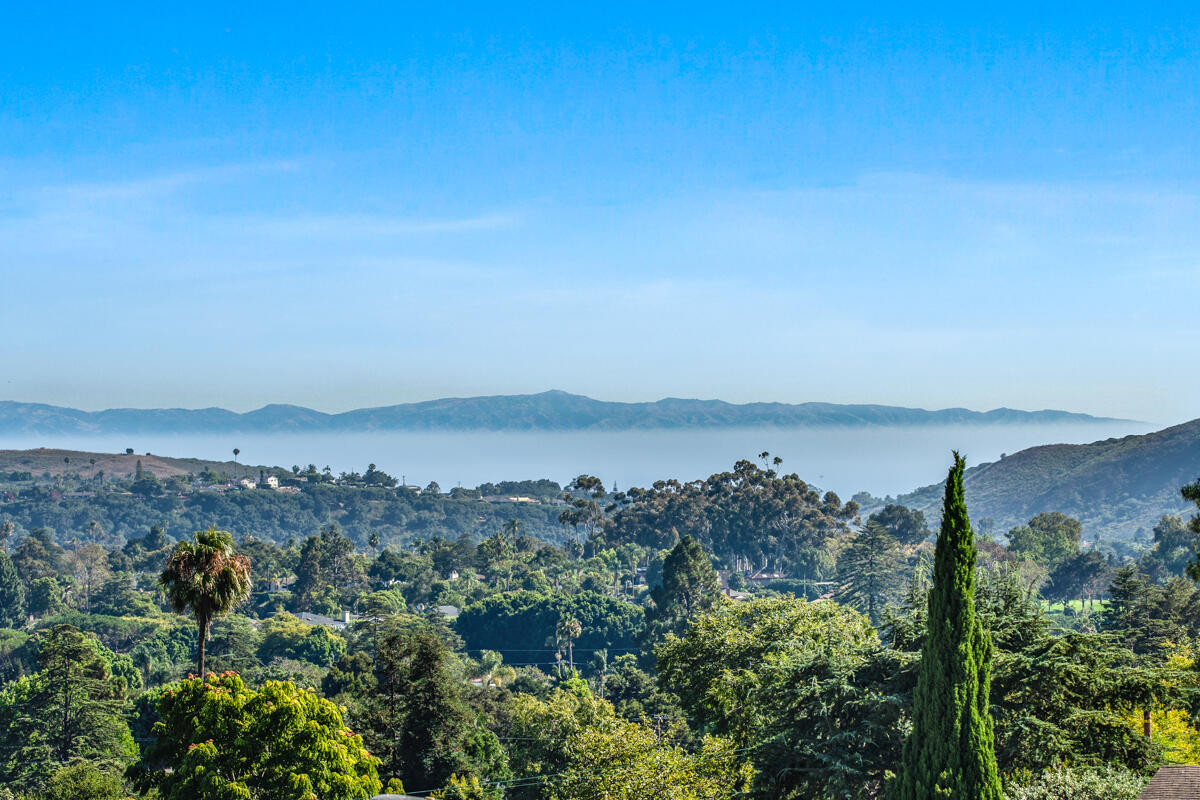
352 205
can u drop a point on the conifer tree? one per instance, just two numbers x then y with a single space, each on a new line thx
951 750
12 595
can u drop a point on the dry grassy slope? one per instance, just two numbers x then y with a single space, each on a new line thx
1114 486
115 464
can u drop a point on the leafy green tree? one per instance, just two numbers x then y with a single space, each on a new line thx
416 717
208 578
12 594
906 525
1136 613
593 753
119 597
951 751
1175 545
45 597
629 762
720 666
326 562
233 643
1048 539
749 516
71 710
467 788
689 585
634 692
1082 575
83 781
870 570
38 556
541 732
222 741
804 686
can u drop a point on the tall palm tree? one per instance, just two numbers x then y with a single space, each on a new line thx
567 631
206 577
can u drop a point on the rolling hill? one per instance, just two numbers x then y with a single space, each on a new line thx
1114 486
553 410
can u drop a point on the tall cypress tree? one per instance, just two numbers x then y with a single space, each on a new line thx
951 751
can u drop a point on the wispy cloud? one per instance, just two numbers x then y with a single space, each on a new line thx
357 226
157 186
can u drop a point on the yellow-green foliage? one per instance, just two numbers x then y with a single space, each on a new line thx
629 762
579 749
225 741
729 662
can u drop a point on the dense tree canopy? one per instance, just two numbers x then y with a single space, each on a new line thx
224 741
611 663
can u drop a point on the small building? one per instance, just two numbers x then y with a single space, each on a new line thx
328 622
1174 782
449 612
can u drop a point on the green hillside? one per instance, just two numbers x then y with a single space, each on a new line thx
1114 486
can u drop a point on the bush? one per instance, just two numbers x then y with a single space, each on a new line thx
1067 783
83 781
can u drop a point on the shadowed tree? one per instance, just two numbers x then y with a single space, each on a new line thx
208 578
1192 492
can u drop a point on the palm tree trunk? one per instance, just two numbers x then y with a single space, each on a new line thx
200 650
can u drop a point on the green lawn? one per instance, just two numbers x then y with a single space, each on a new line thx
1077 605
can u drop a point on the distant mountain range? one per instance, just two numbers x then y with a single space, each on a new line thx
548 411
1113 486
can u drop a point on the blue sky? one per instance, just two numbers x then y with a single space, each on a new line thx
350 207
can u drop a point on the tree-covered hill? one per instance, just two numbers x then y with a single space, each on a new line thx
553 410
1114 486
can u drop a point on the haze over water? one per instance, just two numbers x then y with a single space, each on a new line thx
881 460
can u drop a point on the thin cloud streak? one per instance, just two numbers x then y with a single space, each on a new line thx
158 186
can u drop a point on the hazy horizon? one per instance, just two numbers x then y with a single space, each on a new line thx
881 460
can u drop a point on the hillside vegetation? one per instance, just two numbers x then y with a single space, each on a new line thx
1114 486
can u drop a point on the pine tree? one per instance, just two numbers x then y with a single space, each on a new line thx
72 710
951 750
869 571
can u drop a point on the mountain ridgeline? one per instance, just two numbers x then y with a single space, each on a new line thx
1114 486
547 411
